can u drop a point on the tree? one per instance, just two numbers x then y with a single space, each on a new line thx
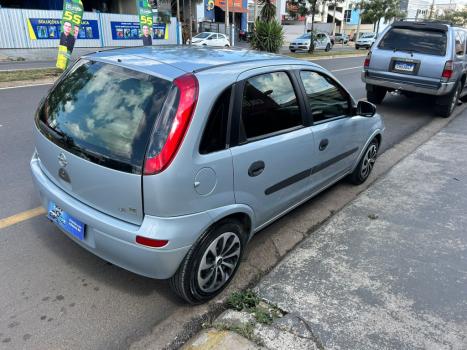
458 17
268 34
268 12
375 10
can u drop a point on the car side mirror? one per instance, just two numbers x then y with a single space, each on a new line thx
366 109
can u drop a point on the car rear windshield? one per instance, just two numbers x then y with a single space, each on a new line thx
104 113
429 42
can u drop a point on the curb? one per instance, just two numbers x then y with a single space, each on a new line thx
26 83
270 245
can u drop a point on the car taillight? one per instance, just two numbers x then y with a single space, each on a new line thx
151 242
171 125
448 70
366 64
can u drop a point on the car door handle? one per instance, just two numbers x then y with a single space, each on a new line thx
256 168
323 144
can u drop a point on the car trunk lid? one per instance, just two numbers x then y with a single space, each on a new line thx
413 50
93 130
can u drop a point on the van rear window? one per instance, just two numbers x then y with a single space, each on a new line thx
104 113
428 42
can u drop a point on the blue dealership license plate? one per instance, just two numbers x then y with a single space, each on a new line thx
405 66
65 221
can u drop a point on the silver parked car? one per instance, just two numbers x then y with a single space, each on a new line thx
418 57
366 41
322 41
166 161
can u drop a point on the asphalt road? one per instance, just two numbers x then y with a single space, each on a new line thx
54 294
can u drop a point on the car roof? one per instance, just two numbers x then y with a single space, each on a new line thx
183 59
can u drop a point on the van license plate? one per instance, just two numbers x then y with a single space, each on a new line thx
405 66
65 221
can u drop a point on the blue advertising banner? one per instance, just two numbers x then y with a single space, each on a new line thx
131 31
49 28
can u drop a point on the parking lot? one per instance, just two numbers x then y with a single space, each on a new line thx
54 294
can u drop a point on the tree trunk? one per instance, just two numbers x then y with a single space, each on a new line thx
190 16
377 29
359 20
255 12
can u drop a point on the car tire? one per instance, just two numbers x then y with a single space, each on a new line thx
445 105
357 47
292 50
366 164
229 235
328 47
375 94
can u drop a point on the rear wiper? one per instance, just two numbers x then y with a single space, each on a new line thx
64 137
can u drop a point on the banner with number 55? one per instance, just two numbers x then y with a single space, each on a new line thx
70 23
145 21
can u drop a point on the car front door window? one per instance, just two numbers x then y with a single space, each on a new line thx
326 99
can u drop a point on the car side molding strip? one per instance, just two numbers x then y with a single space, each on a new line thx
304 174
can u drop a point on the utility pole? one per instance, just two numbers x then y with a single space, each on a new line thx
278 11
227 31
334 19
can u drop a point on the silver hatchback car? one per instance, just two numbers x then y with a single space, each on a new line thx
424 57
166 161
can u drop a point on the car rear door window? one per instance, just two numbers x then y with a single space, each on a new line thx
269 106
215 132
431 42
326 99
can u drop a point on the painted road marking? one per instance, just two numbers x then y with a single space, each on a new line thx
340 70
20 217
23 86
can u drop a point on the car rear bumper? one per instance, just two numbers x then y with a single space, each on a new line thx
428 88
114 240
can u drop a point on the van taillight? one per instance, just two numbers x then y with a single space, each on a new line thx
171 125
366 64
448 70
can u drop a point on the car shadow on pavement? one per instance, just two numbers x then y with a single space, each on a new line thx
91 267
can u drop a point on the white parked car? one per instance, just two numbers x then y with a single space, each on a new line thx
210 39
322 42
366 40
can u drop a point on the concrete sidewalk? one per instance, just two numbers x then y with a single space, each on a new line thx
389 271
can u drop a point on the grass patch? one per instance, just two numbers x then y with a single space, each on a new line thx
29 74
248 301
306 55
245 330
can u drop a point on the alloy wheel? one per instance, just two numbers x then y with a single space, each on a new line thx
369 161
455 98
219 262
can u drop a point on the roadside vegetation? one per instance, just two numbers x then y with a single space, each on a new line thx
268 34
29 74
249 302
